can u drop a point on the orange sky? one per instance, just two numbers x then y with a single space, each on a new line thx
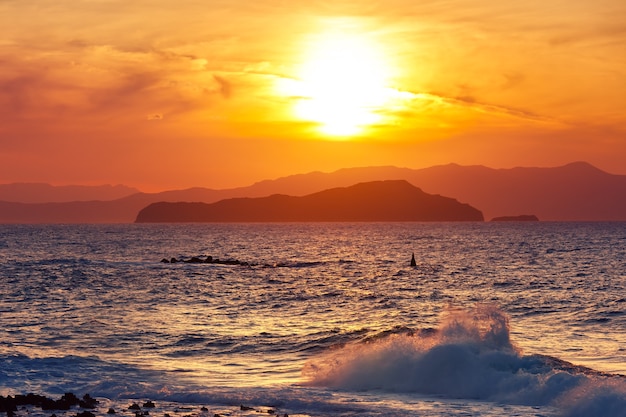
173 94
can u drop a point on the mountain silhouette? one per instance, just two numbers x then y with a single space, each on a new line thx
46 193
573 192
365 202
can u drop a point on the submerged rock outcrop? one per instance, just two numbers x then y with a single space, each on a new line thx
208 260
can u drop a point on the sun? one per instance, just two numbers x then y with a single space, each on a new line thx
342 84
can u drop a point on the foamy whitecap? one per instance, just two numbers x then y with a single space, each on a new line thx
596 397
471 356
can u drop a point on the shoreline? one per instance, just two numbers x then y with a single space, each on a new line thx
69 405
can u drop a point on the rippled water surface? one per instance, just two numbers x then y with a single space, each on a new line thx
497 305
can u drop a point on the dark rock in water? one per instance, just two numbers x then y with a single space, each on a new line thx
207 260
194 260
165 261
32 399
149 404
134 406
245 408
111 411
520 218
413 263
68 400
88 402
7 405
204 409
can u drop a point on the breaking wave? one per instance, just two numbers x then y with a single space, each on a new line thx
470 356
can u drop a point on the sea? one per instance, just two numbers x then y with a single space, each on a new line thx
317 319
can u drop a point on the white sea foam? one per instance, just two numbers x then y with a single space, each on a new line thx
596 397
469 357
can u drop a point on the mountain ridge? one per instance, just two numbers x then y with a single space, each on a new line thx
573 192
39 192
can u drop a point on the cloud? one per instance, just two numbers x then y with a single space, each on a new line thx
16 93
495 109
407 104
118 59
225 88
104 81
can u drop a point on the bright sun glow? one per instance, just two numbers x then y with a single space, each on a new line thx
341 85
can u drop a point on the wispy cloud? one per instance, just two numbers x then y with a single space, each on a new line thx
103 80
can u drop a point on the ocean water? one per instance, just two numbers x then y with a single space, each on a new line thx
496 319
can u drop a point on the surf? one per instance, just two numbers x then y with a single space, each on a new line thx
469 356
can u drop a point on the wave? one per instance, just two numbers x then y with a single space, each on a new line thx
56 375
118 384
470 356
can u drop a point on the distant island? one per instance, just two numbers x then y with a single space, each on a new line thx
520 218
391 200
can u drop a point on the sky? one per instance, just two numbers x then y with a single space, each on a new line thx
173 94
